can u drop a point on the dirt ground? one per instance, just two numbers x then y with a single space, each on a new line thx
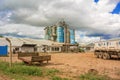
74 64
79 63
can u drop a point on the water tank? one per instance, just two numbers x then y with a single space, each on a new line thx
72 36
60 34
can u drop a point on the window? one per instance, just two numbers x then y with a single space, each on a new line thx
56 48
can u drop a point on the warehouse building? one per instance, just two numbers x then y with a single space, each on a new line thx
28 45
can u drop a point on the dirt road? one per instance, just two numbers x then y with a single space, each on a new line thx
79 63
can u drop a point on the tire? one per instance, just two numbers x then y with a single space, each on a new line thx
106 56
118 55
100 55
96 54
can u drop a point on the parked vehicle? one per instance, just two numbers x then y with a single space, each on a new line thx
107 49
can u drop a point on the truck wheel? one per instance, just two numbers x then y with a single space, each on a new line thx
100 55
106 56
97 54
118 55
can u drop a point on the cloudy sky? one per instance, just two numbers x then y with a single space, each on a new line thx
91 19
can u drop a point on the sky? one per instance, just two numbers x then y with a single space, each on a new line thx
91 19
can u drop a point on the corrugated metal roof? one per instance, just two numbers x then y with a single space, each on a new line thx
3 42
21 41
16 42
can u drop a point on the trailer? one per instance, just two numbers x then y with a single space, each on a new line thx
107 49
30 58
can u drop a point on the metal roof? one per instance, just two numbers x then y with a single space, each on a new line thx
21 41
3 42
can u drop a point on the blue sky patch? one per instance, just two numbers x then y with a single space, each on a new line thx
96 1
116 10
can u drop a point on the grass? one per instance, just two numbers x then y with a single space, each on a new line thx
19 69
59 78
52 72
88 76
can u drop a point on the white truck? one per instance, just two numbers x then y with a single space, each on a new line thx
107 49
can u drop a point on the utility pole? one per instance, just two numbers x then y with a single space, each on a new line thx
10 54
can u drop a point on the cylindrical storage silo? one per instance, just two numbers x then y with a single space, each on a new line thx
72 36
46 33
48 36
68 36
60 34
53 30
65 34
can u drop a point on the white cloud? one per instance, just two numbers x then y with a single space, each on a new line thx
22 30
81 37
83 15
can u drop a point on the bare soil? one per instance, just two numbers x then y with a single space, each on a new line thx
74 64
79 63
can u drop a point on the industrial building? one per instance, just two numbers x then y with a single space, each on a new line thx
61 33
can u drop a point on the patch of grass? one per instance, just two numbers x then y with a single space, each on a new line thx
52 72
88 76
18 77
25 70
21 69
59 78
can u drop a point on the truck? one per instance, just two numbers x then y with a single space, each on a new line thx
107 49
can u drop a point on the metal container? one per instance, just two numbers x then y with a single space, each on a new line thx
72 36
60 34
3 50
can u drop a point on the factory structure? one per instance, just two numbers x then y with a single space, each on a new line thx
61 34
58 38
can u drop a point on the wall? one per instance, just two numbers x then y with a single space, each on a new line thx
3 50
